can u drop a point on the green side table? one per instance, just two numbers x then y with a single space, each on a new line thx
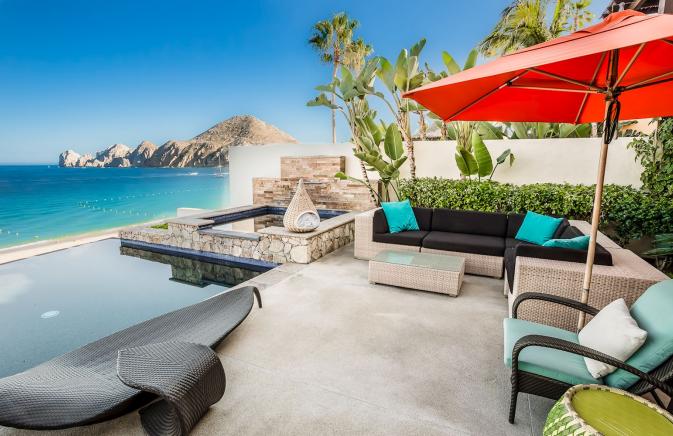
602 410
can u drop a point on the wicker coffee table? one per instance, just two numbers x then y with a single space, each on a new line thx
423 271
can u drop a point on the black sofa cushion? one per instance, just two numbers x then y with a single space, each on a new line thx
423 218
570 232
467 221
465 242
514 221
413 237
602 256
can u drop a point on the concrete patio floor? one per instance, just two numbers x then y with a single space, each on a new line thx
332 354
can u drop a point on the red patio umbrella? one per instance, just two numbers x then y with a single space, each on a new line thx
619 68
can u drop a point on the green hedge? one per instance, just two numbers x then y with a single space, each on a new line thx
627 213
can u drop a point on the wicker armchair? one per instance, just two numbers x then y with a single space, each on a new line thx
529 374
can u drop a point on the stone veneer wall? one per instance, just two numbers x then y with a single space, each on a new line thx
313 167
325 190
271 244
334 194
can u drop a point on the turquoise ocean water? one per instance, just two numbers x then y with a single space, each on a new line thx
40 202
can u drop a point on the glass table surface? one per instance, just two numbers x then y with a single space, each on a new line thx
421 260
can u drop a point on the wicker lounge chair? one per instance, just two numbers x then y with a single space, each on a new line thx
82 387
547 361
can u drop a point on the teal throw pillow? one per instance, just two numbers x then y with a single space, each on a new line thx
578 243
400 216
537 228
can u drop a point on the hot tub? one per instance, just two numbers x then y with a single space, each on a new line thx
251 232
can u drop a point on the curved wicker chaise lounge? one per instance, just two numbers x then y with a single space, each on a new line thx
82 387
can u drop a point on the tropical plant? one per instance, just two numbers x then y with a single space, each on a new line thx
472 155
350 90
530 130
579 14
333 40
477 161
655 154
525 23
662 251
356 54
399 78
386 164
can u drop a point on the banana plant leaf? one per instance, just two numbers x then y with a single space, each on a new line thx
450 63
574 131
321 100
393 142
417 48
467 164
482 156
471 60
489 131
386 73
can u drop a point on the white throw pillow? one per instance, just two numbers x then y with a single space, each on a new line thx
614 332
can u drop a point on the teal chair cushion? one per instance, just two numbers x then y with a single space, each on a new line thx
537 228
578 243
400 216
653 312
558 365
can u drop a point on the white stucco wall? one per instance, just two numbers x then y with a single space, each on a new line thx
537 160
572 160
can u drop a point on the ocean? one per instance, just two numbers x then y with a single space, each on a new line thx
41 202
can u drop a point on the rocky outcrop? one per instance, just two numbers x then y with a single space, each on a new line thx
114 156
142 153
207 149
69 158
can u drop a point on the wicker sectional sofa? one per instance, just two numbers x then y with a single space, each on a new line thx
485 239
618 273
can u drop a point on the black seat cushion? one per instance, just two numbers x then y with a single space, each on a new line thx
423 218
468 221
514 221
412 237
465 243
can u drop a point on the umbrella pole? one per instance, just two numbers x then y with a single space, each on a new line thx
595 216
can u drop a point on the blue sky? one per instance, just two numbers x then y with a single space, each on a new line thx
85 74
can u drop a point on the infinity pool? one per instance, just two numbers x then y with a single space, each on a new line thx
54 303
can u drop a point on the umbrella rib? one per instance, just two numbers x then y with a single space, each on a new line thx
567 79
649 82
544 88
473 102
630 64
593 80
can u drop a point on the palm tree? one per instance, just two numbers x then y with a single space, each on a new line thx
356 54
580 15
525 23
333 39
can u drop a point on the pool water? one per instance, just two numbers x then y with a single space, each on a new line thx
253 224
57 302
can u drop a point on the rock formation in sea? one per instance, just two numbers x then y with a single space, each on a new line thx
207 149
